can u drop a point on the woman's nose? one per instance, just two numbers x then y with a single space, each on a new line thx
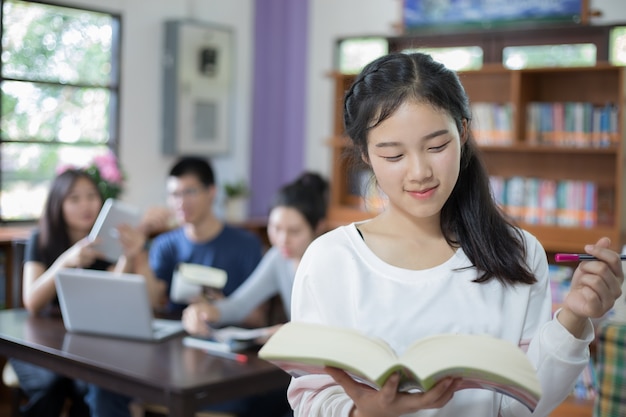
419 167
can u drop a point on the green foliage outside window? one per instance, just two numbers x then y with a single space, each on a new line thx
59 95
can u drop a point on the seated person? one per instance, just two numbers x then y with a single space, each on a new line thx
296 218
60 241
202 239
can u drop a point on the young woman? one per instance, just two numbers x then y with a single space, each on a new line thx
441 258
60 242
297 217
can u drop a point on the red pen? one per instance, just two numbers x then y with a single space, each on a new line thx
575 257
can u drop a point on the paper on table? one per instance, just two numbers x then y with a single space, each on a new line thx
230 333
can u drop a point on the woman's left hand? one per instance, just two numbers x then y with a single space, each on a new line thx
595 287
388 402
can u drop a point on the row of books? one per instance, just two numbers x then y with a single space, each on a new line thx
566 203
492 123
569 124
572 124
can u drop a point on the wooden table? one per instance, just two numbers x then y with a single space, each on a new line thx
181 378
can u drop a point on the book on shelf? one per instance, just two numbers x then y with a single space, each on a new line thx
572 124
481 361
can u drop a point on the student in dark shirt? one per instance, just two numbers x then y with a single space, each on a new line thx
60 242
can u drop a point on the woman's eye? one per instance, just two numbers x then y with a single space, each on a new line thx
392 158
438 148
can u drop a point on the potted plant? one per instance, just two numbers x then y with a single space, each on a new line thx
236 209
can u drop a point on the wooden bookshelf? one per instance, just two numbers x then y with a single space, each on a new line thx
574 407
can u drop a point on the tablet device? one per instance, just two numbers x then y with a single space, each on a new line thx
113 214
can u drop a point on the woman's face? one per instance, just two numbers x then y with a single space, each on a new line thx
289 231
81 206
415 155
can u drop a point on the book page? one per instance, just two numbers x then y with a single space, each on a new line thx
483 361
307 348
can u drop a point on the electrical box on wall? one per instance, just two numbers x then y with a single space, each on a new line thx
198 88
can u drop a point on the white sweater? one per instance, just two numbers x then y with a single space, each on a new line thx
341 282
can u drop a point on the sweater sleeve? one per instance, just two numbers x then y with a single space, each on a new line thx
313 395
260 286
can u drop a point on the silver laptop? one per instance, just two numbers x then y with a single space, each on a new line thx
111 304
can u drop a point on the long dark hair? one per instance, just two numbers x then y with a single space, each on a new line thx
308 194
54 238
470 218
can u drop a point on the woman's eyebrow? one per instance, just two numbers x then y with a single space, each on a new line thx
435 134
387 144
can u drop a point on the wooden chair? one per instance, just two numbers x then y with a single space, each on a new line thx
9 378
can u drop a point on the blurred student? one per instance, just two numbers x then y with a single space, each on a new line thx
60 241
297 217
202 238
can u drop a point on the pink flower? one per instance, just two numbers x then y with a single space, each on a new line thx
107 165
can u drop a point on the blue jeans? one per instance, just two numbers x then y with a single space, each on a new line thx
105 403
47 391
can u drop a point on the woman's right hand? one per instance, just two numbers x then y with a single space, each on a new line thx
197 316
81 255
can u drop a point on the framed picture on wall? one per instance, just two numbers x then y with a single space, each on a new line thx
445 14
198 88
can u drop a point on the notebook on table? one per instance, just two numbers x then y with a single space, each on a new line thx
110 304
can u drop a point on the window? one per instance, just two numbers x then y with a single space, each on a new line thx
462 58
59 94
536 56
355 53
617 46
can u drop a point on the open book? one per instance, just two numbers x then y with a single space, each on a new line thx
482 361
189 279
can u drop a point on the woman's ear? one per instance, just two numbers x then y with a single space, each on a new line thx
365 158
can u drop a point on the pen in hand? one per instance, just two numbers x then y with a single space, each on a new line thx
575 257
